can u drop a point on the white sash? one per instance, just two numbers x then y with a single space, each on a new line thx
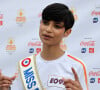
29 74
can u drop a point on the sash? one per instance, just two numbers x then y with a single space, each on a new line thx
29 74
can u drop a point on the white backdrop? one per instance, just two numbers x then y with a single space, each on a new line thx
19 27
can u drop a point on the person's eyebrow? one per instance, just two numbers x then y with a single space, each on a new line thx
59 23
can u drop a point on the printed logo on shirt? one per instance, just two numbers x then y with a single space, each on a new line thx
55 81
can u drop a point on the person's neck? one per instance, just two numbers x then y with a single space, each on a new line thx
51 52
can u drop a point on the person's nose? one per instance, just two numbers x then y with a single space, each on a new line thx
49 28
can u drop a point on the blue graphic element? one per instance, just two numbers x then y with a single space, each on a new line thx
92 80
36 88
31 50
83 50
26 62
95 20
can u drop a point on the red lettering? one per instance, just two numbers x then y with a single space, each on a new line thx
1 16
95 13
34 43
89 43
91 73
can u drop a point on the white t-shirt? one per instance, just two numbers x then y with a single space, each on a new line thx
52 72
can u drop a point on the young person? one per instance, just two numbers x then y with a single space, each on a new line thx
56 68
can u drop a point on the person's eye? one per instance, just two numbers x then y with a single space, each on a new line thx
58 26
45 22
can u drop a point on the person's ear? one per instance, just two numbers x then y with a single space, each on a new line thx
67 33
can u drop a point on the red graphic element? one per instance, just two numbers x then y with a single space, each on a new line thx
95 13
98 80
88 43
1 23
26 62
94 73
91 50
37 43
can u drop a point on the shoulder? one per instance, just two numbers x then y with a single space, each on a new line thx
76 61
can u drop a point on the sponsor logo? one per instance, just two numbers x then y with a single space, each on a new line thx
92 80
63 45
20 19
87 46
36 43
94 73
94 76
95 20
74 13
1 19
83 50
31 50
38 50
98 80
39 15
30 79
35 46
26 62
87 43
95 13
91 50
11 47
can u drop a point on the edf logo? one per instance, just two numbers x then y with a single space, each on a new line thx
92 80
95 20
83 50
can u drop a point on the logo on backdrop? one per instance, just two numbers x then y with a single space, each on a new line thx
87 45
1 19
96 15
34 46
94 76
11 47
63 45
74 13
20 19
92 80
40 14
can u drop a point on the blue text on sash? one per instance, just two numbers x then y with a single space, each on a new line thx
29 77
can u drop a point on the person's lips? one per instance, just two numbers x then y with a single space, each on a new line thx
46 36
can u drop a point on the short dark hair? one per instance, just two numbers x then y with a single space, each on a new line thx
58 12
